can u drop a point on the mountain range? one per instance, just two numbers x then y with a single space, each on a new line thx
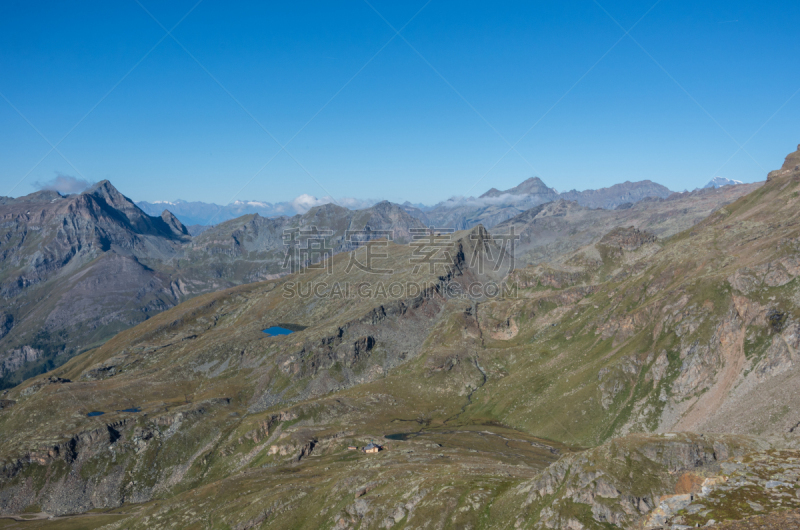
77 269
626 380
492 207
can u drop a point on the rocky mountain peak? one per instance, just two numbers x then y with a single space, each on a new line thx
790 165
718 182
531 186
386 205
106 191
326 209
792 161
174 224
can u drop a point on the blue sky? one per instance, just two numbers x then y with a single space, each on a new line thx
424 115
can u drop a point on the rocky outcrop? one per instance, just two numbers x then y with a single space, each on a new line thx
88 470
790 166
6 323
13 360
622 482
628 239
540 275
175 226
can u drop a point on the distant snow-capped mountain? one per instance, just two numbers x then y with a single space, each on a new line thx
718 182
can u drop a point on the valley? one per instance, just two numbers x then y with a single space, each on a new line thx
629 379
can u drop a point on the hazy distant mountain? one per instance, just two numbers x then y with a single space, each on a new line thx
495 206
252 248
205 214
618 194
209 214
531 186
718 182
491 208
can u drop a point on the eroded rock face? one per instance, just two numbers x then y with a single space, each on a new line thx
629 238
102 467
790 166
626 482
782 354
773 274
13 360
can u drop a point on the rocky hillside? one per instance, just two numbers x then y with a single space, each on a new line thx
552 230
636 382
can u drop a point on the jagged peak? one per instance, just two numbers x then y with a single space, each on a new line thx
103 186
792 161
790 165
325 208
388 207
174 223
530 186
479 230
106 191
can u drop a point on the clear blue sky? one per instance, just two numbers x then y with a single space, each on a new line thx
382 120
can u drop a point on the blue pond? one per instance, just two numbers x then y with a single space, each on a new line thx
95 413
135 409
277 330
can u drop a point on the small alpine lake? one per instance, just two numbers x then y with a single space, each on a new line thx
283 329
277 330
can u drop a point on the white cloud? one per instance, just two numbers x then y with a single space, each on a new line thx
64 184
305 202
